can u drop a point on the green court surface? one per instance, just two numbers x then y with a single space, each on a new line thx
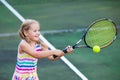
60 15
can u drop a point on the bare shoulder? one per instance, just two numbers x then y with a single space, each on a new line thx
23 44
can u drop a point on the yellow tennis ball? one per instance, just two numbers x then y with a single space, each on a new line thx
96 49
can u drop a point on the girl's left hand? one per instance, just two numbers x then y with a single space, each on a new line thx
69 49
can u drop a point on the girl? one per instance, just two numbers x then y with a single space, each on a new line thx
30 49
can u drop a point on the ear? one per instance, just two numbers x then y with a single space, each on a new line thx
26 33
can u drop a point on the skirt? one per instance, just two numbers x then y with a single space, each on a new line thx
27 76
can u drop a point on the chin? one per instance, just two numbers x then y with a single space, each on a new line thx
37 39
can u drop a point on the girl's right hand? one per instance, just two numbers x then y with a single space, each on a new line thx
58 53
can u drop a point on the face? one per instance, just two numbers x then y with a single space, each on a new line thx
34 32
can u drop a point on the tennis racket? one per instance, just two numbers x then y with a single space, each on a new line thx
101 32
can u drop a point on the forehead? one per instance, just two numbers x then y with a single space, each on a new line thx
34 26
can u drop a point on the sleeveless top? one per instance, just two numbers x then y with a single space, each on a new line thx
26 66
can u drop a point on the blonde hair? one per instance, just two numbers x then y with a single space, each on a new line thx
25 26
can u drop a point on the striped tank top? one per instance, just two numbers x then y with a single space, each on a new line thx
26 66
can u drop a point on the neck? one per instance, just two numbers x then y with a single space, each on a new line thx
33 44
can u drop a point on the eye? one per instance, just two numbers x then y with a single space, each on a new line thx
35 30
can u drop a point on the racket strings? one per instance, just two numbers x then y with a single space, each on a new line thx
101 33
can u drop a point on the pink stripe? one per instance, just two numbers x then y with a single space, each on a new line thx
38 50
24 68
25 72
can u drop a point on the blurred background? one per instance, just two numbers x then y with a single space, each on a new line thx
60 15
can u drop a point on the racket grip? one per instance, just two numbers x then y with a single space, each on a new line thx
64 50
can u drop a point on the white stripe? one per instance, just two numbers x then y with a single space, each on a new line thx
43 39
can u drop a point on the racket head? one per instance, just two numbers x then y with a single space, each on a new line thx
102 33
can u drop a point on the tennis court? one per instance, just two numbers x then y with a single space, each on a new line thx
61 15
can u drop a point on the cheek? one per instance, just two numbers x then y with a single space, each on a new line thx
31 35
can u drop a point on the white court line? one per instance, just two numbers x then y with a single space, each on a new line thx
42 38
46 32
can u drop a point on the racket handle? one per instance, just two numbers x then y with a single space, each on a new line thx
64 50
54 56
74 46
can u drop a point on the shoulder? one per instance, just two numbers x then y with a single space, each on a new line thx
23 44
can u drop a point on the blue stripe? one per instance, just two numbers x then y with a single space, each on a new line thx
25 65
37 45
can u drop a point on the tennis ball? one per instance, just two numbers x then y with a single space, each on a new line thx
96 49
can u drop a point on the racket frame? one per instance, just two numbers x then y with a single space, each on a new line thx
92 25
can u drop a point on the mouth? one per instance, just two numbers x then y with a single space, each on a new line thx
36 36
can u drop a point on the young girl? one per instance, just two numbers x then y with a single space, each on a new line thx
30 49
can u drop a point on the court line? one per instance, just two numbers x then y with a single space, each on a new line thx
46 32
70 65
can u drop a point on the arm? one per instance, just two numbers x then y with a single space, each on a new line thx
51 57
69 50
46 48
25 47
